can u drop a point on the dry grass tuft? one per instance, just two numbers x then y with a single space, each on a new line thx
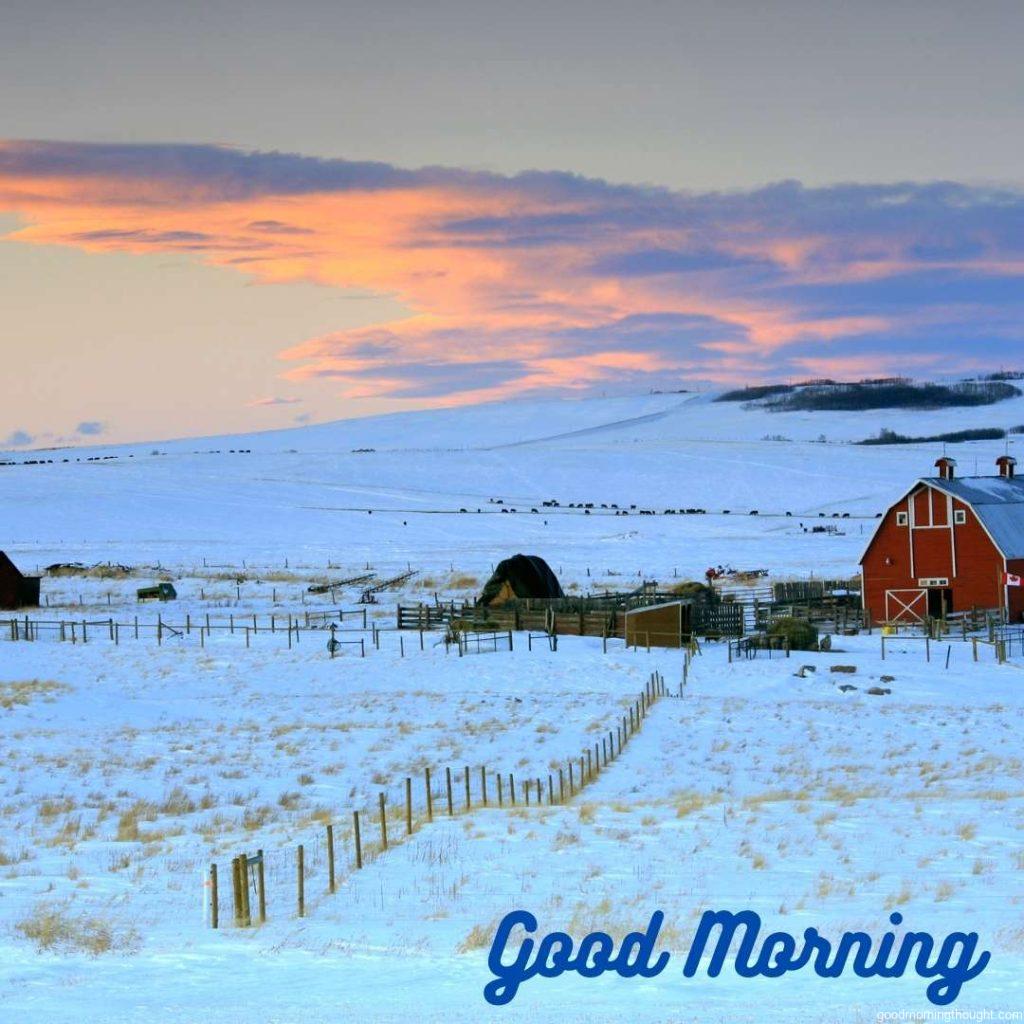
53 928
25 691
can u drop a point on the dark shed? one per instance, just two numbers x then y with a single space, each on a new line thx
16 591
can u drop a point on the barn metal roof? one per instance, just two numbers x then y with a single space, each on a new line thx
997 501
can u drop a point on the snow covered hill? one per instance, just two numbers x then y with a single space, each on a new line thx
317 493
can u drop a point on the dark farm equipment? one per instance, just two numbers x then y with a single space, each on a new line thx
369 594
352 581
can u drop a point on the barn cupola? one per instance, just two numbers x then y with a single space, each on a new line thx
1006 464
946 467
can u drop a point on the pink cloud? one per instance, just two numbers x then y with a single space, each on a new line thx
548 280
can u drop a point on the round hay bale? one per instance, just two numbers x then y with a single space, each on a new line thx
802 635
694 590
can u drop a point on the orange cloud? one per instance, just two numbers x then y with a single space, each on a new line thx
548 280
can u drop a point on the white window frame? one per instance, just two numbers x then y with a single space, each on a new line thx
902 518
960 517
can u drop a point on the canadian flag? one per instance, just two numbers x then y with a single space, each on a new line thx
1011 579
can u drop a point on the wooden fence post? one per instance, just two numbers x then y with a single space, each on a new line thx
236 890
383 824
330 858
466 772
448 789
358 839
501 796
408 806
511 788
483 785
300 878
430 799
214 902
261 890
246 904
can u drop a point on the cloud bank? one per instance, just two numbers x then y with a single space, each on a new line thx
543 280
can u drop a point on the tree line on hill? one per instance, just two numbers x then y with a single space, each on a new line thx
882 393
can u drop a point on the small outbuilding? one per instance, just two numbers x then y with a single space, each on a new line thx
659 625
16 590
518 578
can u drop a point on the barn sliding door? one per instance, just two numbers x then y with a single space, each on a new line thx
906 605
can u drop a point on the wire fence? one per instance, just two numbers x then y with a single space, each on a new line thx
399 812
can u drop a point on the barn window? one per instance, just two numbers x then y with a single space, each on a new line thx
902 518
960 517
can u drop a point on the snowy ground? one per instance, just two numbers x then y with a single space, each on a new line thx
756 789
125 770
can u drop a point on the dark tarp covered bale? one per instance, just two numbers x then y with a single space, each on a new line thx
521 576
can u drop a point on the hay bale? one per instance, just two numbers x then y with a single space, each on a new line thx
694 590
802 635
520 577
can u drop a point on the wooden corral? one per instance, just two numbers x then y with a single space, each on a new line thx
591 615
16 590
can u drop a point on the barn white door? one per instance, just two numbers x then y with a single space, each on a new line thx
906 605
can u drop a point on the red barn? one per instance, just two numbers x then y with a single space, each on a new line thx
948 544
16 591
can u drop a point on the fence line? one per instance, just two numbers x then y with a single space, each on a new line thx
375 830
999 645
289 626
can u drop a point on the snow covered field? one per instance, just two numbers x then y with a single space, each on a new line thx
306 494
125 770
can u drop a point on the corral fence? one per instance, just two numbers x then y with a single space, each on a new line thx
349 844
559 618
762 644
832 604
1012 640
483 643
